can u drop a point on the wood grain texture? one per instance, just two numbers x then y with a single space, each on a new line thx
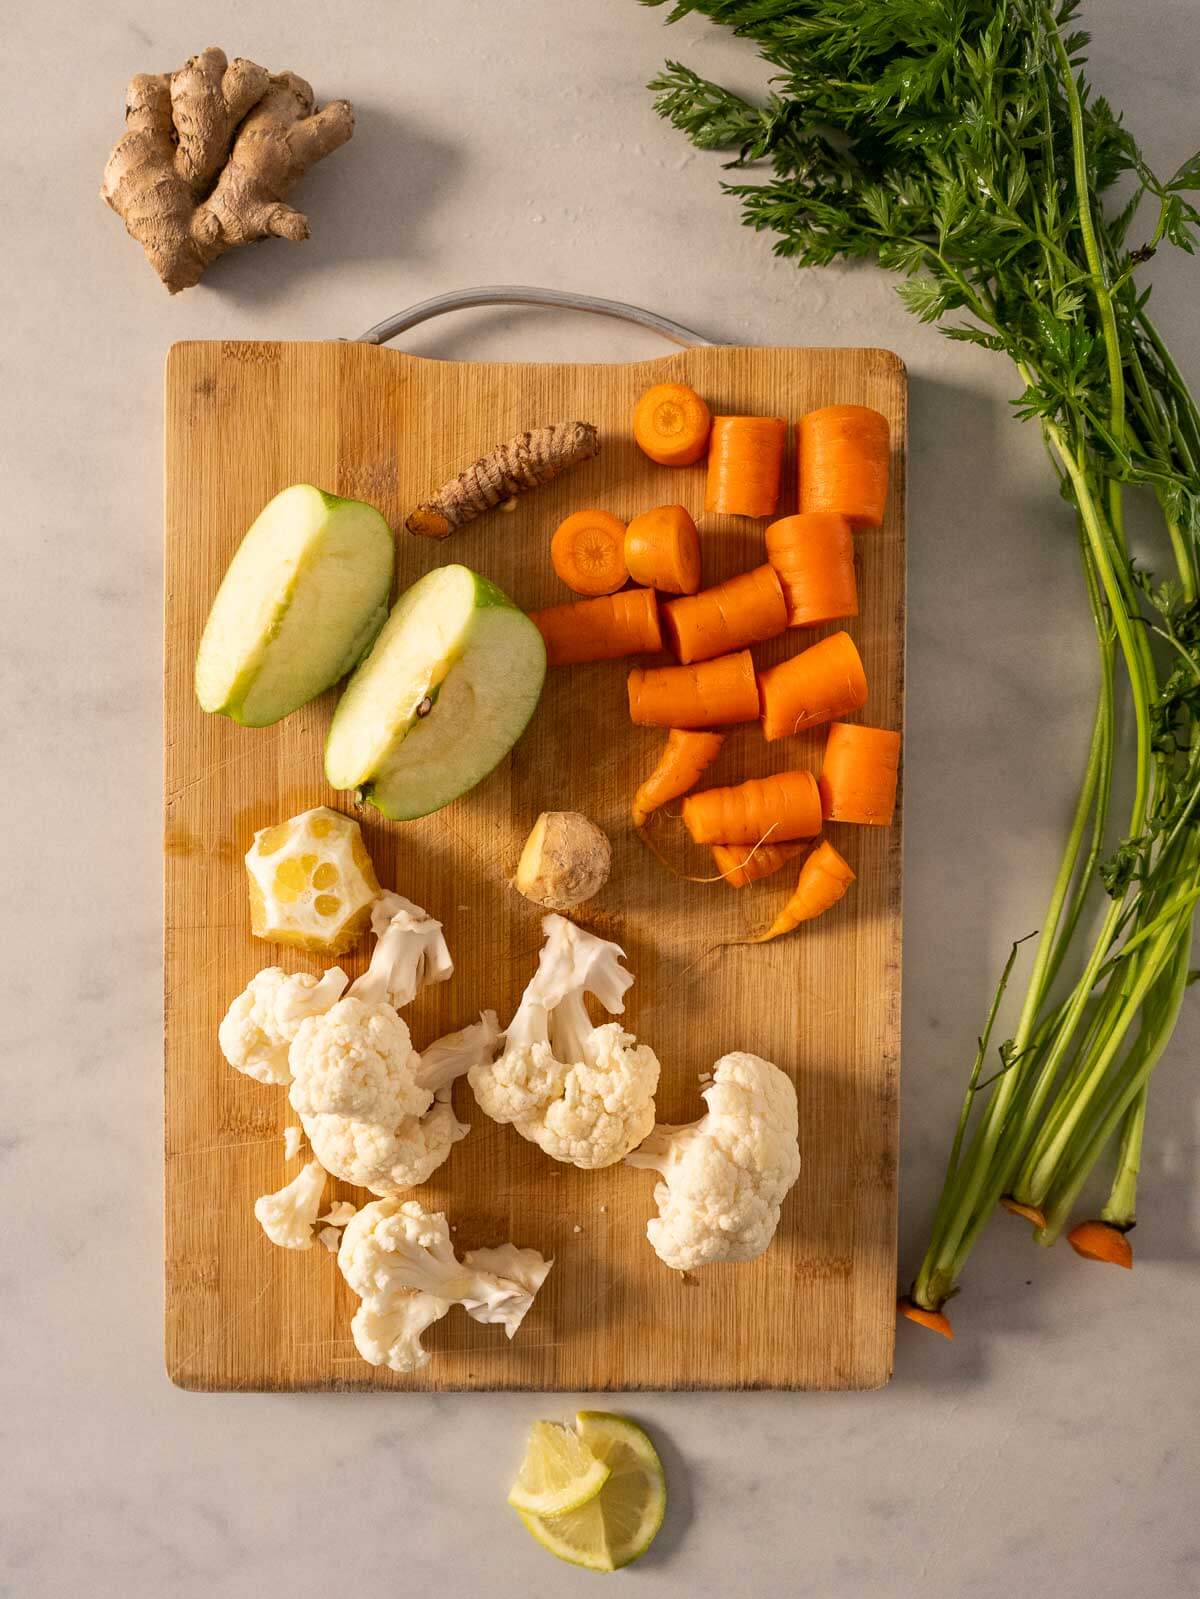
817 1311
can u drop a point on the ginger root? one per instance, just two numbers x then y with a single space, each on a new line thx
525 462
566 860
209 154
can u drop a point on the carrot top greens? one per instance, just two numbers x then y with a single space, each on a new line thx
958 143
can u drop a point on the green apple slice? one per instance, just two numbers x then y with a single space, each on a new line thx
305 593
445 693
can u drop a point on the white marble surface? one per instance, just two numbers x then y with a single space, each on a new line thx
1052 1449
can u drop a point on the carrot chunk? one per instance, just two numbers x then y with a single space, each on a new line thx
671 424
814 556
822 682
686 755
745 462
777 809
740 866
602 629
823 879
842 458
859 774
662 549
588 552
744 610
710 694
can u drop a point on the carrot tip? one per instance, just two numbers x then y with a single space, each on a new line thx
1100 1240
1030 1212
935 1320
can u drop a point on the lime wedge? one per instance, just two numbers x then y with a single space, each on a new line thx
618 1524
559 1472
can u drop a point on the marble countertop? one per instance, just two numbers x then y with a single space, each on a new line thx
1052 1448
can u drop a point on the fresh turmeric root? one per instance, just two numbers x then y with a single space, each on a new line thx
525 462
209 154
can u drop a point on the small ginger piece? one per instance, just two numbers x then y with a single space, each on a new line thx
566 860
209 154
525 462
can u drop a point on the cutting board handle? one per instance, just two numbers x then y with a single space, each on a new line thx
516 294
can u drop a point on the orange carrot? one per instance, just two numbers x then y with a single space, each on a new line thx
743 610
588 552
814 556
602 629
842 458
782 807
1100 1240
662 549
745 460
1029 1212
858 774
823 879
823 681
933 1319
671 424
739 866
683 759
711 694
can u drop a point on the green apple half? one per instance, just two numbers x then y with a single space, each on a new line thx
305 593
445 693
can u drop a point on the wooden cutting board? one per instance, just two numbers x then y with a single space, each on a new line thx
244 420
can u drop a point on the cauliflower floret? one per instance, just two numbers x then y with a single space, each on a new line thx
385 1160
400 1261
725 1176
259 1026
357 1060
583 1094
289 1216
376 1113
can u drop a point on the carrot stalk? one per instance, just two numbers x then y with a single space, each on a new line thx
671 424
785 806
710 694
823 879
662 550
859 774
738 867
745 462
1031 1213
602 629
814 556
588 552
684 757
1100 1240
744 610
822 682
842 458
933 1319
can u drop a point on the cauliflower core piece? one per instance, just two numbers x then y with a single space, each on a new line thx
400 1261
724 1176
376 1113
288 1217
410 953
258 1028
583 1094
